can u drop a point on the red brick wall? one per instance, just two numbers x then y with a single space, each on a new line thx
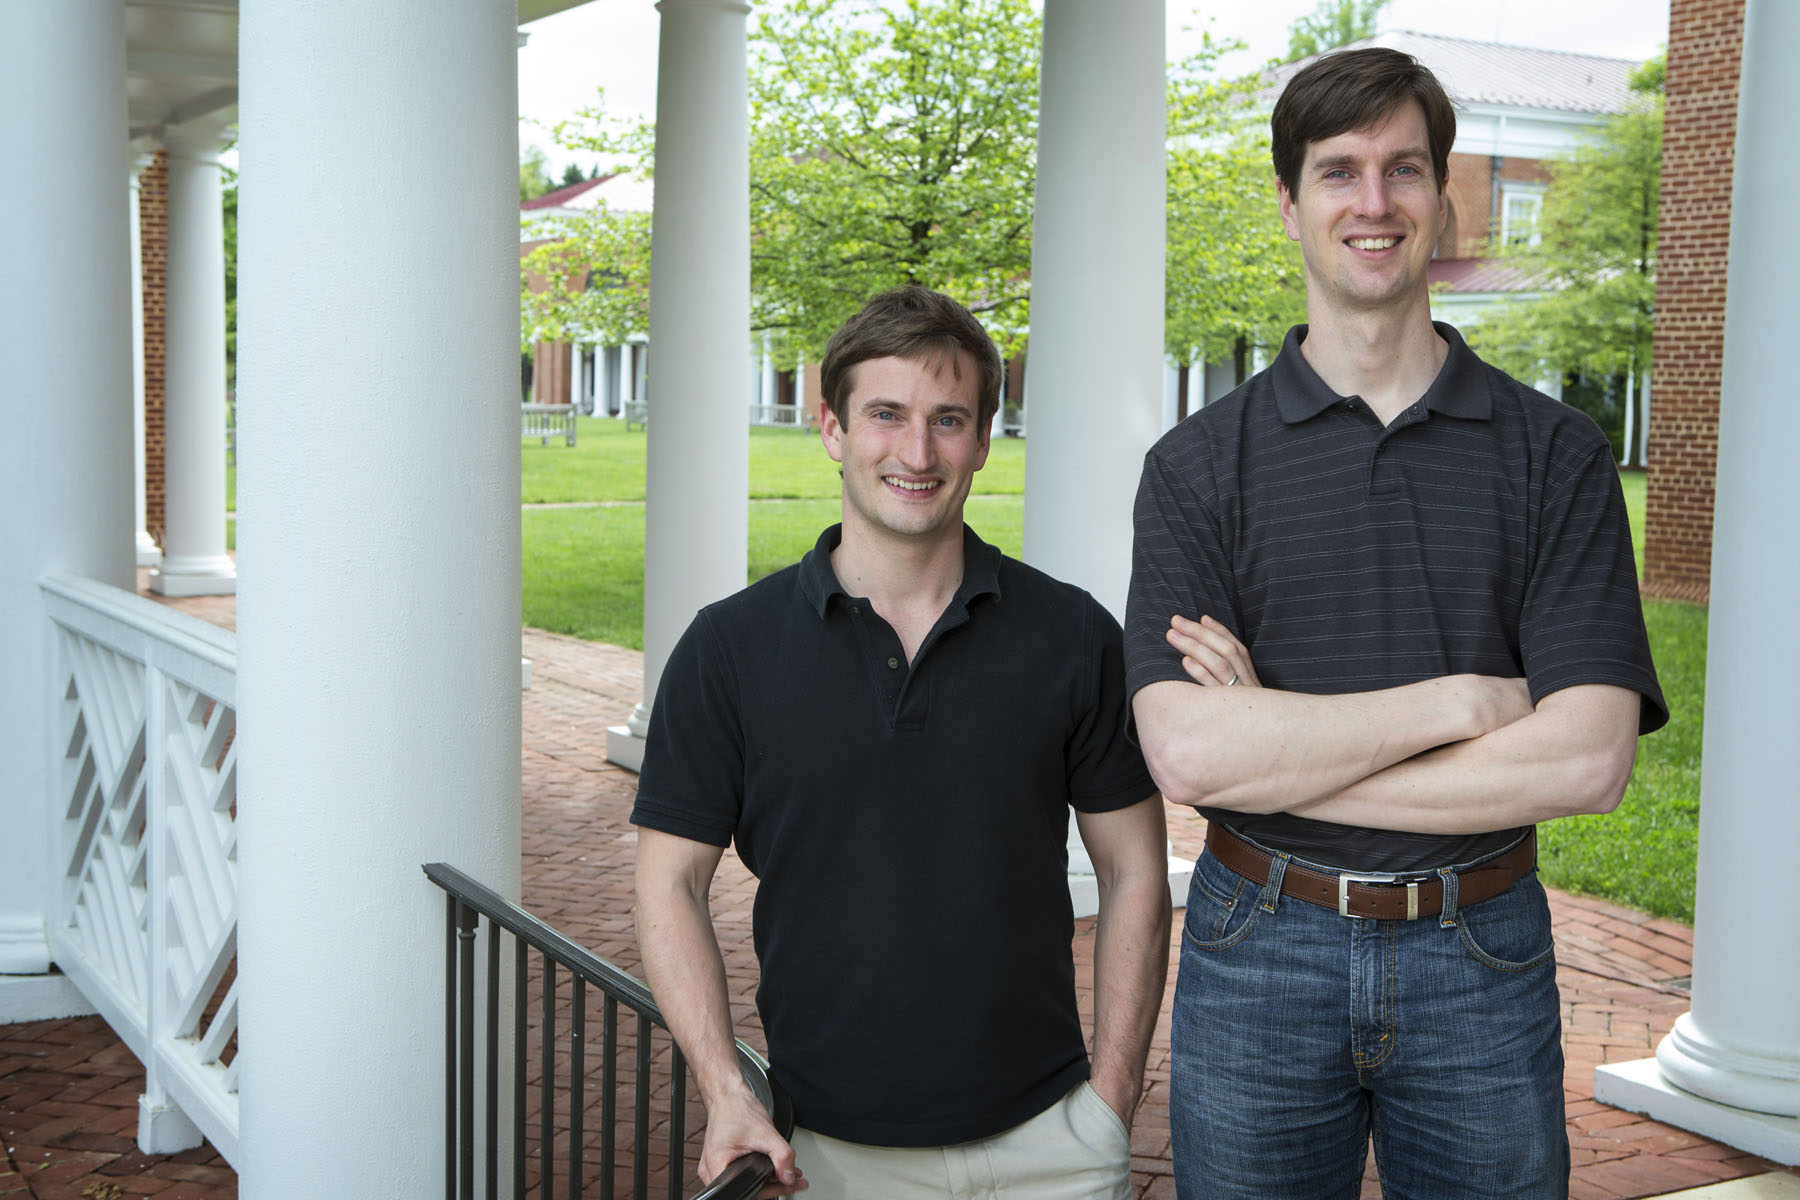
1471 190
551 364
1699 128
153 225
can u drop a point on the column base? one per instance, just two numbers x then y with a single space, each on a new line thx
624 748
1084 890
187 580
1694 1063
47 997
1639 1086
165 1129
149 554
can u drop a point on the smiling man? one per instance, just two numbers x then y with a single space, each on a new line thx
894 731
1384 618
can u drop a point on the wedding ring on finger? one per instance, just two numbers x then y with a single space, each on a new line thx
1232 682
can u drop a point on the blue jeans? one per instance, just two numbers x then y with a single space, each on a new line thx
1299 1034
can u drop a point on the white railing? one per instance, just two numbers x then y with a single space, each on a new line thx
145 920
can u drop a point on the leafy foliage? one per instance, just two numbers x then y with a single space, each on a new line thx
1232 278
891 144
1334 23
534 174
1597 257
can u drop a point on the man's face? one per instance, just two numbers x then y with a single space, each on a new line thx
1367 215
910 445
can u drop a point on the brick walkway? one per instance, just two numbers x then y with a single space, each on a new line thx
68 1089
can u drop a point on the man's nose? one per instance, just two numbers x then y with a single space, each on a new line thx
1373 197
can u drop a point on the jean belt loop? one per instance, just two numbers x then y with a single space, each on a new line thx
1271 892
1448 919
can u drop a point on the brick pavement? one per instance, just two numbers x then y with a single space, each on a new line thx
68 1089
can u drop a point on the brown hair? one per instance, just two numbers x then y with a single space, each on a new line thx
913 323
1354 89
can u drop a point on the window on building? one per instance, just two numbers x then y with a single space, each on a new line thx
1520 206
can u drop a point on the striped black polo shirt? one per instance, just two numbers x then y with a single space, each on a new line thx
1483 531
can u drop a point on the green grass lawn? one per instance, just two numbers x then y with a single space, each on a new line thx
583 575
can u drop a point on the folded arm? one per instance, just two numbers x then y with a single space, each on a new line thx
1259 750
1129 850
687 974
1573 755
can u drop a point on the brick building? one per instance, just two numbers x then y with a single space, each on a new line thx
1699 129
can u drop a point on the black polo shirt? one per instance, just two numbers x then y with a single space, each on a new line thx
908 828
1483 531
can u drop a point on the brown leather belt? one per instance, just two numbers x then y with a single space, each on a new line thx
1385 897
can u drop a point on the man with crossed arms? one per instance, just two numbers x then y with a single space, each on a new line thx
1417 633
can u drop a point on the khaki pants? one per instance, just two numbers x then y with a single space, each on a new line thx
1077 1149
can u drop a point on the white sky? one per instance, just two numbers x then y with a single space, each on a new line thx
612 44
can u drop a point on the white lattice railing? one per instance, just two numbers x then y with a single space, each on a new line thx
144 710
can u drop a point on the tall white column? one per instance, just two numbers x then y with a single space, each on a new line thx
1094 391
194 560
1730 1069
378 622
65 391
697 481
148 553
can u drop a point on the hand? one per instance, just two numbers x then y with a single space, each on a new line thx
1210 654
1499 702
1120 1093
739 1125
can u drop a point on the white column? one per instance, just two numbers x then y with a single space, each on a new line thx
65 391
574 396
1094 391
148 553
378 623
1730 1069
194 559
697 477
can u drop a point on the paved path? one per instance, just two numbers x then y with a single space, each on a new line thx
68 1089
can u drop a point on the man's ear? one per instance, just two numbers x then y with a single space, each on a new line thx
831 433
1290 220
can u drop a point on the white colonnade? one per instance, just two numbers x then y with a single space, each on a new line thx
65 387
696 511
378 664
1730 1069
194 561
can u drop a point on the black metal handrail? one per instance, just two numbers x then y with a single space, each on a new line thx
468 901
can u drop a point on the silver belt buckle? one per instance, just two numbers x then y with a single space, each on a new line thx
1345 880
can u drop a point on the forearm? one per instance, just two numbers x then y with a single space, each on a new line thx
1131 943
1260 750
1573 755
687 975
1131 958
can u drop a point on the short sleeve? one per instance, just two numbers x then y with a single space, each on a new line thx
1179 565
1582 620
692 781
1106 769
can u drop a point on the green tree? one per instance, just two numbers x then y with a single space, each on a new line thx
534 174
891 144
1334 23
1233 280
1594 264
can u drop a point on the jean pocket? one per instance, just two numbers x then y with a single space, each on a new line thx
1221 907
1511 932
